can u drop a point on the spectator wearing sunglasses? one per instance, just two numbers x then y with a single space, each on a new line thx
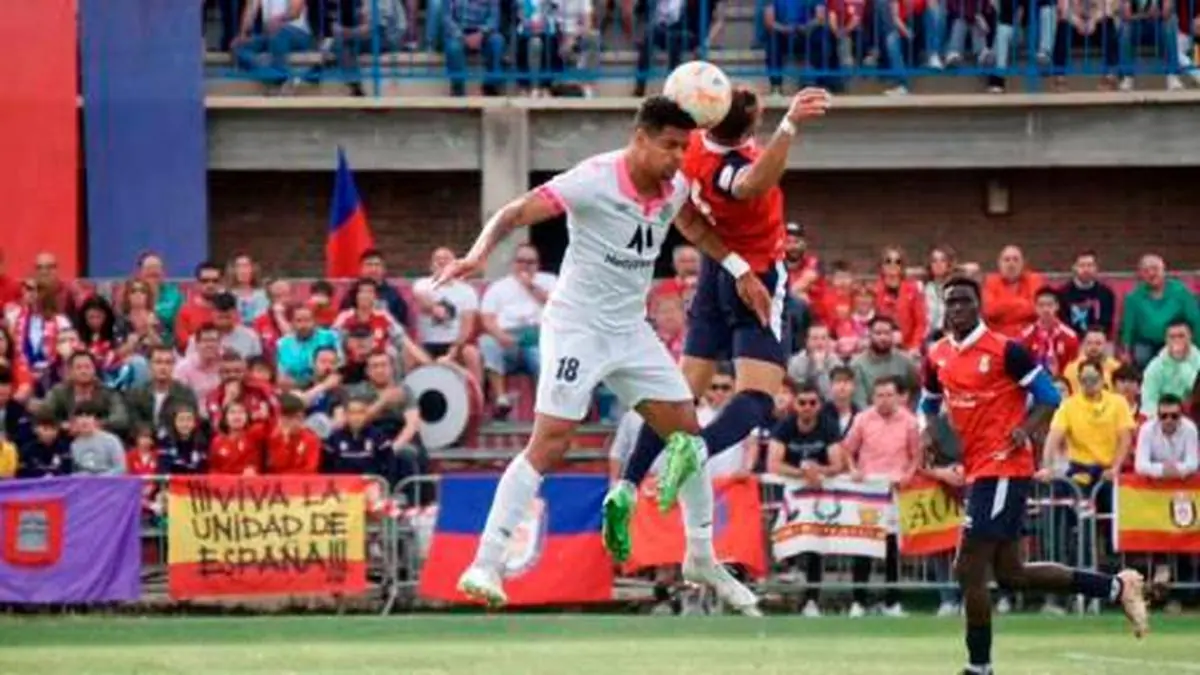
198 310
801 448
900 298
1168 446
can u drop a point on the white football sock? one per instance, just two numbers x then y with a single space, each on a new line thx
696 502
515 491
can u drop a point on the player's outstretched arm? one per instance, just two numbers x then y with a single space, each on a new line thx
766 171
695 227
529 209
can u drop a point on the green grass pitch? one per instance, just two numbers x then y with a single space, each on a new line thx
581 645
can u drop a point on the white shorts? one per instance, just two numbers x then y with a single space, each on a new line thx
635 366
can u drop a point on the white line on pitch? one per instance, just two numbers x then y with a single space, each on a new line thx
1178 666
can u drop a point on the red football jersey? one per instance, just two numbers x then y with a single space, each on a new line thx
296 453
237 453
982 381
752 228
384 329
260 402
141 462
1053 347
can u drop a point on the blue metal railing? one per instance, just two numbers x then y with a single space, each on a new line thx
563 46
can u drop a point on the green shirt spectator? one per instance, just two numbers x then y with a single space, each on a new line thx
1151 307
1174 370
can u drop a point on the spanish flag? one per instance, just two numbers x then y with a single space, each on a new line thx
1157 515
930 517
349 234
265 535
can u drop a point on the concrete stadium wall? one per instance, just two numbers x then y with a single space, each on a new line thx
280 217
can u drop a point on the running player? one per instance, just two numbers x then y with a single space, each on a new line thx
619 207
735 183
985 381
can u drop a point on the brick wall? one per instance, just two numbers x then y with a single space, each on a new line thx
280 217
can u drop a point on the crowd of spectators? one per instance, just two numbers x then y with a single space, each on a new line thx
554 46
231 373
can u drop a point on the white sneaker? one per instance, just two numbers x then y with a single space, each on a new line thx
483 585
1004 606
1126 84
898 90
1175 83
1052 608
730 591
947 609
857 611
935 62
895 611
811 610
953 59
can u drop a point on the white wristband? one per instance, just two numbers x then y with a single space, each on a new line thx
736 265
786 127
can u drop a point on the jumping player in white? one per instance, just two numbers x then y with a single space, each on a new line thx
619 206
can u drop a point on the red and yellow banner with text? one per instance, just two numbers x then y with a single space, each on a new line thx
1156 515
658 538
930 515
266 535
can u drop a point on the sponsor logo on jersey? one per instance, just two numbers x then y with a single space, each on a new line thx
627 264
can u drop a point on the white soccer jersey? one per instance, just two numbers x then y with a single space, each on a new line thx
615 237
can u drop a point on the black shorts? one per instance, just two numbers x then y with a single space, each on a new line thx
722 327
438 351
996 509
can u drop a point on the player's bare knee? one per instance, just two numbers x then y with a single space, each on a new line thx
757 375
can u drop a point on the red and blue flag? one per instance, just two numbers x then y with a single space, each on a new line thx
556 555
349 234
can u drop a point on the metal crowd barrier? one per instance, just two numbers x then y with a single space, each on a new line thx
382 553
1181 571
637 40
1061 528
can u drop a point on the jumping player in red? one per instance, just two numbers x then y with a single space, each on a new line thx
735 185
985 381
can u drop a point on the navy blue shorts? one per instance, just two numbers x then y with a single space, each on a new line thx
722 327
996 508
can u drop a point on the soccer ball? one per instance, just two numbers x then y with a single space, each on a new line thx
702 90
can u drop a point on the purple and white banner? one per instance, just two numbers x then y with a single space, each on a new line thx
70 540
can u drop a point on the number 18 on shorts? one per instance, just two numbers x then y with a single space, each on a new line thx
636 366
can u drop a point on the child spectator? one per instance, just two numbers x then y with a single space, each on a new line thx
144 458
320 299
293 448
238 450
358 448
95 451
48 453
1053 343
186 443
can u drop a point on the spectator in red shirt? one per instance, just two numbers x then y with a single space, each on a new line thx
1052 342
388 334
804 269
238 387
275 322
293 448
198 310
836 297
320 298
238 450
66 295
1009 294
848 17
900 24
901 299
685 260
671 324
143 458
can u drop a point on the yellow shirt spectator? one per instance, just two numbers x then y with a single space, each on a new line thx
1092 427
1071 373
8 459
